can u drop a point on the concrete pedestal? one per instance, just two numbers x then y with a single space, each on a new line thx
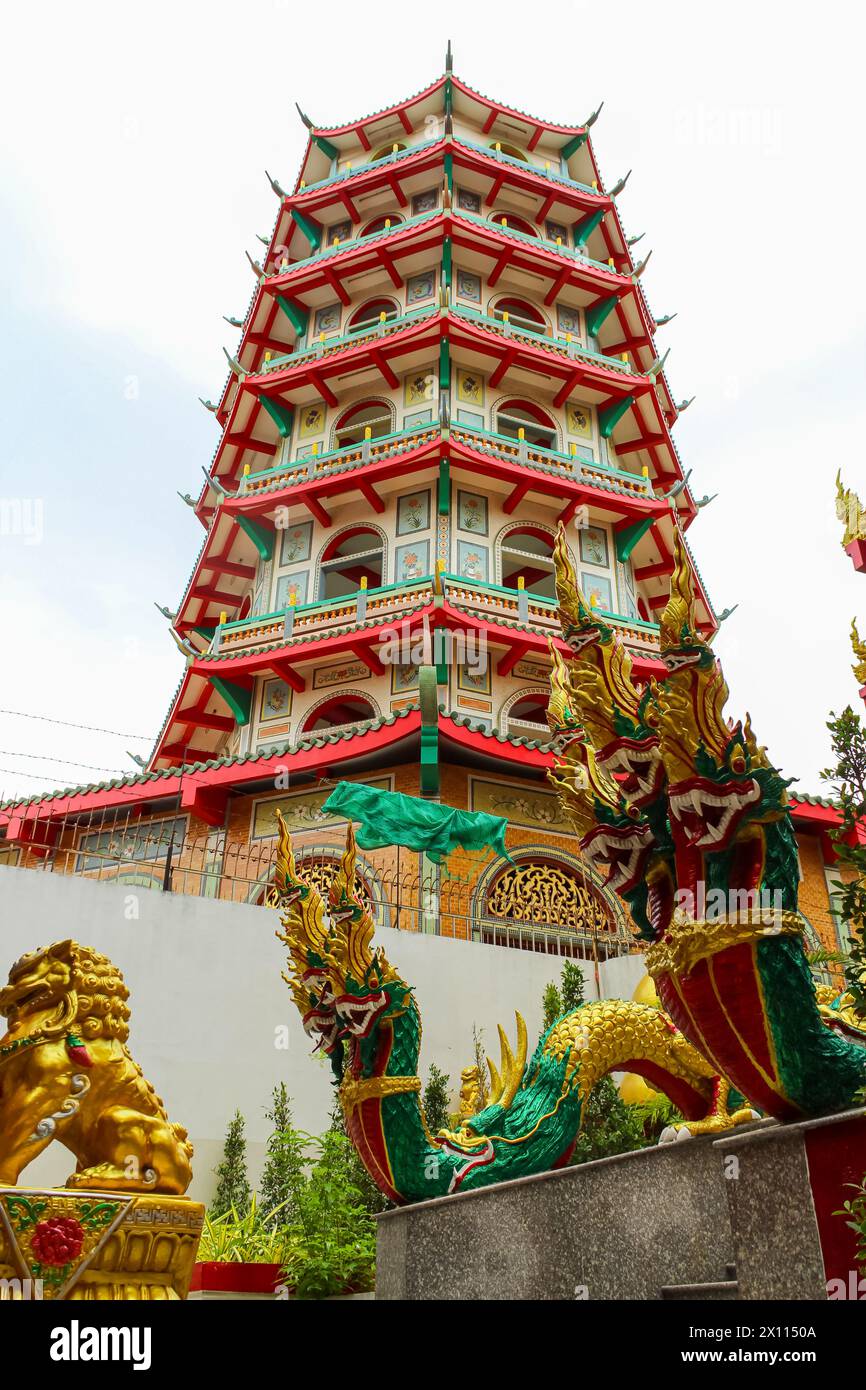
750 1215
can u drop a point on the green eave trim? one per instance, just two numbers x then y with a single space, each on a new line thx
627 540
261 537
444 365
597 313
585 228
309 229
444 487
298 317
446 262
573 145
609 418
282 415
325 146
236 697
429 699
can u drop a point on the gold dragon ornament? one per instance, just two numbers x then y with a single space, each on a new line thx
66 1074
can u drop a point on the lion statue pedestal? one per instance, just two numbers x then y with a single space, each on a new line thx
121 1228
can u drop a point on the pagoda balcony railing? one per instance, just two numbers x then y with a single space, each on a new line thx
350 457
303 621
503 328
389 603
530 728
536 611
503 158
328 346
500 156
574 252
352 243
550 342
392 157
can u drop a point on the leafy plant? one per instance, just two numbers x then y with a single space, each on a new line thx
551 1005
284 1165
243 1238
855 1210
609 1125
479 1061
847 776
571 986
233 1189
435 1099
331 1243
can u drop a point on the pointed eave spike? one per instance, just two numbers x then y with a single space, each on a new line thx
233 363
304 117
208 405
665 318
591 120
684 405
449 59
280 192
619 186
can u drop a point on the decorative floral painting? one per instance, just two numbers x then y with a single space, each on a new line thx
418 388
412 562
328 319
425 202
472 561
556 229
593 546
276 700
341 231
472 512
469 286
291 589
419 417
413 513
596 591
579 419
470 388
311 420
296 543
420 287
568 321
468 201
404 678
470 678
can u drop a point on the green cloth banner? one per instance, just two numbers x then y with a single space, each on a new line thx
390 818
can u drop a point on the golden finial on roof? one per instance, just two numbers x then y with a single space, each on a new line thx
850 510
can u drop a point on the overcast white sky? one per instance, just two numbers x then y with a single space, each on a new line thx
134 141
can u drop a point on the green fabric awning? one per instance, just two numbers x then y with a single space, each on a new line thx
390 818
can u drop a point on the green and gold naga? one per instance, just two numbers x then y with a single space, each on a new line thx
683 815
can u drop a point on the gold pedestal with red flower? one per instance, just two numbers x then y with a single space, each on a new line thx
61 1244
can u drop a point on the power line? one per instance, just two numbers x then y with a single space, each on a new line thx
90 728
39 776
49 758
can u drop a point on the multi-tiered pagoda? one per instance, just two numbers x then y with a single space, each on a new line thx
448 351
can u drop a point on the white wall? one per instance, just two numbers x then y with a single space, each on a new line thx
207 1000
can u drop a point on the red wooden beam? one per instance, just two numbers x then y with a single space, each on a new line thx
509 659
387 372
558 285
516 497
404 121
222 724
397 189
654 571
224 566
317 509
370 495
364 652
323 389
287 673
387 262
567 387
206 803
336 285
505 257
215 595
503 366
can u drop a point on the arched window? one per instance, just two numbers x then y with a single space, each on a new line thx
353 424
351 556
337 712
537 426
521 313
509 149
374 311
381 224
539 904
394 148
527 717
516 224
526 553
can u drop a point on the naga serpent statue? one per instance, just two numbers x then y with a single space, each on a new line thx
684 816
365 1018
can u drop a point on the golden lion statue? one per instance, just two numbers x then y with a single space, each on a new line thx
66 1074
